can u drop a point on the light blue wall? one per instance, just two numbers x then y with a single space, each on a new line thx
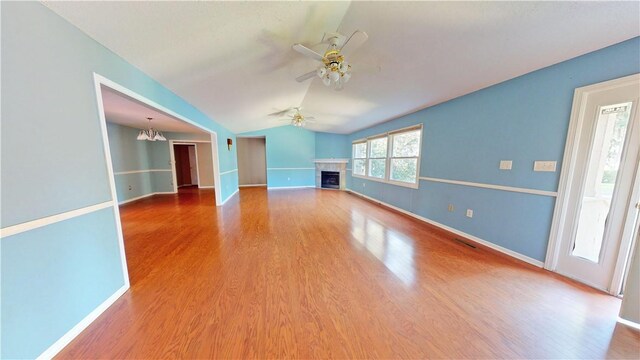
52 277
129 154
52 162
335 146
290 154
523 119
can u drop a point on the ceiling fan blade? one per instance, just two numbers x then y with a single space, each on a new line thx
353 42
280 113
307 52
306 76
309 118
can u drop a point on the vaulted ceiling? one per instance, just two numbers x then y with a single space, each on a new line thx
233 60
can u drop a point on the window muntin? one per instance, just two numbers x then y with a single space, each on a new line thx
393 157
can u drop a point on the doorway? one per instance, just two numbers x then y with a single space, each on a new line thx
597 208
252 161
186 165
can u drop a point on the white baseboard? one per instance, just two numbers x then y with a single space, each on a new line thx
251 185
230 196
290 187
206 187
486 243
83 324
629 323
144 196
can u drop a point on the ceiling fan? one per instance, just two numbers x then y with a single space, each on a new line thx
294 116
335 70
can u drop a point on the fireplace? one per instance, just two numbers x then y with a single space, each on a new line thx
330 179
331 173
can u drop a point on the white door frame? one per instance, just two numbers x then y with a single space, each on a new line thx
172 155
569 161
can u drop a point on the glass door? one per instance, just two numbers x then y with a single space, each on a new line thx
608 141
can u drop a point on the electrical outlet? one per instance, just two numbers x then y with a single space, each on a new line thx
130 188
549 166
505 164
450 208
469 213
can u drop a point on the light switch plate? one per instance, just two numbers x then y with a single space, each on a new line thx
549 166
469 213
505 164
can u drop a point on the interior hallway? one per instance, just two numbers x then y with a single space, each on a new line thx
325 274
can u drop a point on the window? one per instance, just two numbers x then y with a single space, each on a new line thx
359 158
404 156
393 157
377 157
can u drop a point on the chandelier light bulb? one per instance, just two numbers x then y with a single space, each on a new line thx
344 67
326 81
346 77
334 76
321 72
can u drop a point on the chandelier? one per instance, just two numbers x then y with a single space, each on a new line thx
334 69
151 134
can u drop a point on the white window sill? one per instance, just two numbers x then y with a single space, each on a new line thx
390 182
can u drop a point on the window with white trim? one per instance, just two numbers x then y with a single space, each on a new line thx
393 157
377 165
359 158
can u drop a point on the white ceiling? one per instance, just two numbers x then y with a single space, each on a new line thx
233 60
123 110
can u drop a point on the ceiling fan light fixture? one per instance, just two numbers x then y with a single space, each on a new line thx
334 76
326 81
322 71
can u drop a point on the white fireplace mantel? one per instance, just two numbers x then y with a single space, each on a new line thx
331 161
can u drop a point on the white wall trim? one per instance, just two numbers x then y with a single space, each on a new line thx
138 171
629 323
491 186
79 327
101 80
206 187
486 243
34 224
230 196
189 142
228 172
290 187
252 185
145 196
98 81
301 168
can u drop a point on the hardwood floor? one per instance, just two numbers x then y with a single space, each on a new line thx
325 274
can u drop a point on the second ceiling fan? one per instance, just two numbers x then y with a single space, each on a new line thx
334 70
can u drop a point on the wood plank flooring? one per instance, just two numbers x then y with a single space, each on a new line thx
325 274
